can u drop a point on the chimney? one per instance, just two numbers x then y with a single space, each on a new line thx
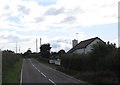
74 42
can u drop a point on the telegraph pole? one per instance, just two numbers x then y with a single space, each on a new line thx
40 41
36 46
16 47
19 49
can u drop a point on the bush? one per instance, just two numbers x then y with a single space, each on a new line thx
104 57
75 61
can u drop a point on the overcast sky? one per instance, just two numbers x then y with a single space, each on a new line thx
56 22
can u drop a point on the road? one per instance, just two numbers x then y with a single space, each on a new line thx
35 72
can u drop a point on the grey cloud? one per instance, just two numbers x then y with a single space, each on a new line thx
39 19
112 15
67 41
80 10
76 11
109 5
69 19
10 37
54 11
56 45
46 3
13 38
23 9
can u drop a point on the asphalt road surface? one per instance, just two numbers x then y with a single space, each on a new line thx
35 72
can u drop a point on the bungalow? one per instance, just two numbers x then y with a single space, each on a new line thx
85 46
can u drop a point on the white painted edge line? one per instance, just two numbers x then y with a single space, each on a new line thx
71 77
21 73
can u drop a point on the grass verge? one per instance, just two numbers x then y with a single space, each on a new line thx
13 76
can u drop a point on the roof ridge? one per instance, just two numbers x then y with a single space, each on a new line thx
83 43
89 39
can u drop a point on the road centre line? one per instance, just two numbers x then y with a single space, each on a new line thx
42 73
67 75
35 67
52 81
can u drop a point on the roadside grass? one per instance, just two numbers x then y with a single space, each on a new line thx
13 76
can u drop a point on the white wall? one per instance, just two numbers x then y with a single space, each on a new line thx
89 47
79 51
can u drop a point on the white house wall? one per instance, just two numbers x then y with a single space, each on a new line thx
89 47
79 51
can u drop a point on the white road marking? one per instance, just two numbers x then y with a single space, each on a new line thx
42 73
35 67
52 81
21 73
67 75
